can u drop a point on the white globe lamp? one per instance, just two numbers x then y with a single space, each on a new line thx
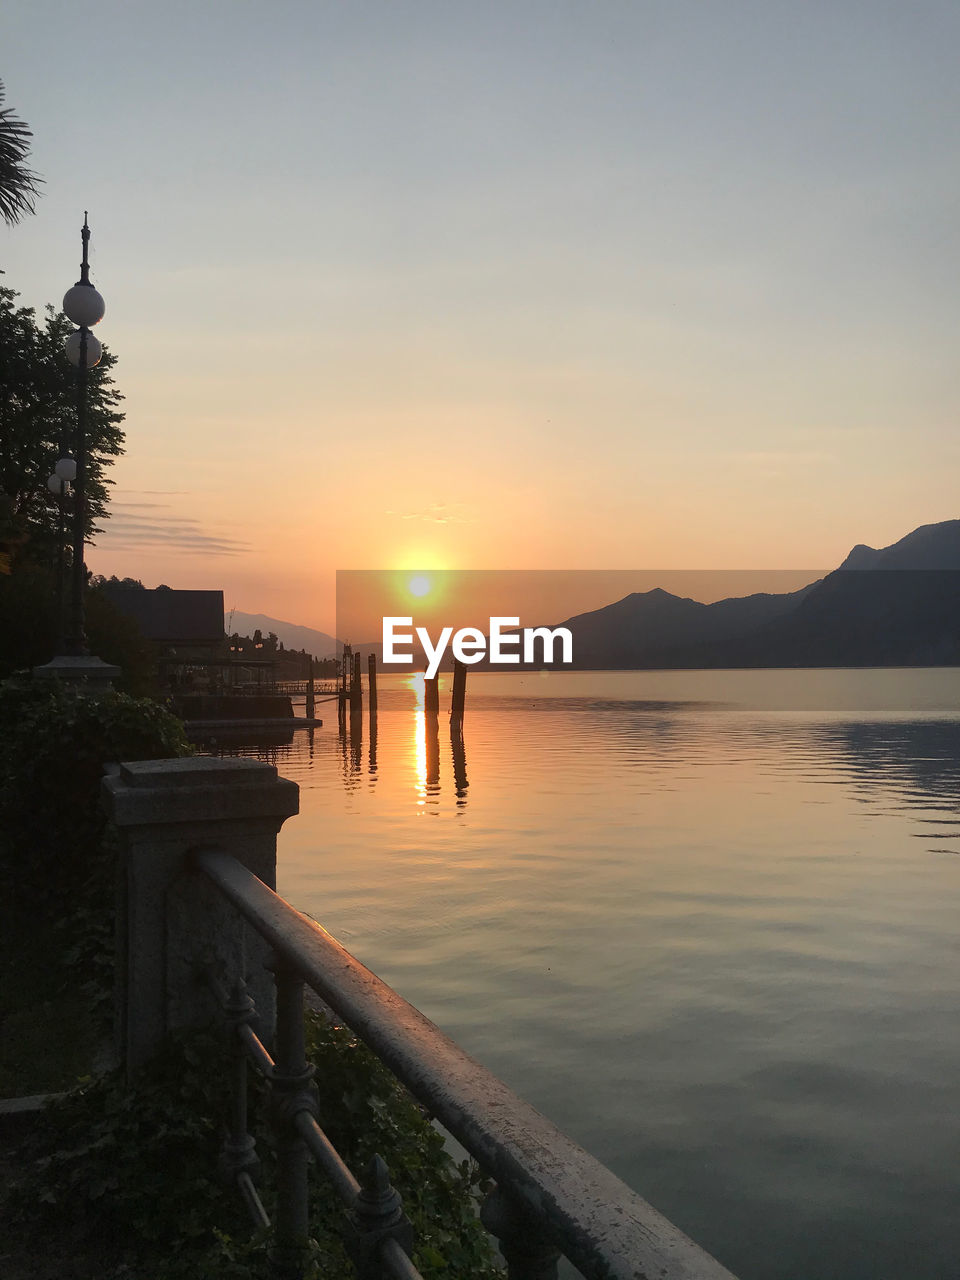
72 348
84 305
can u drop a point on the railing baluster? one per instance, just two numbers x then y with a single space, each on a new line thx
291 1094
528 1253
379 1233
378 1217
239 1152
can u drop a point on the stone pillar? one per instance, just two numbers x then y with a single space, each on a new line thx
171 922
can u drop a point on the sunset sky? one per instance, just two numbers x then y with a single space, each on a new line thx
503 285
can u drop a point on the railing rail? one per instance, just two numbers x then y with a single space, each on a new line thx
551 1194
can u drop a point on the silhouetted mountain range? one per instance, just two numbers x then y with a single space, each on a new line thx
896 606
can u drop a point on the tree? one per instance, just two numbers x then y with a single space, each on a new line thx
38 415
130 584
18 184
29 633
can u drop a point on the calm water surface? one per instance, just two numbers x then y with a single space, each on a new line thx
707 922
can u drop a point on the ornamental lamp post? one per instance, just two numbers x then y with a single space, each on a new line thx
85 307
63 473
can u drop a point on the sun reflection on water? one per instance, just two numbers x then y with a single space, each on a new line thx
415 684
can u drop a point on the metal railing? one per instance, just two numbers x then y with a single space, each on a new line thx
551 1196
381 1236
325 687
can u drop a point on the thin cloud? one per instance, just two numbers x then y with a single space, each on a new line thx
801 457
128 528
437 513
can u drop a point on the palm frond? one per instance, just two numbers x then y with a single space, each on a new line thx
19 186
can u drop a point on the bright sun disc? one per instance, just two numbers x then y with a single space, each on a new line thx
419 586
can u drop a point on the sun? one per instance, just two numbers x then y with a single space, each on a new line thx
419 586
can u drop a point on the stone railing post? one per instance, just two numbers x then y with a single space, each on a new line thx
171 923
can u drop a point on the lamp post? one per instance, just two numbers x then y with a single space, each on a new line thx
85 307
58 488
64 473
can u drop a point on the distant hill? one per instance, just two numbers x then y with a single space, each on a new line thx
290 634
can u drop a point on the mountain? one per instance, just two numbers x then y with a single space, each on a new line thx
650 628
290 634
864 618
896 606
932 546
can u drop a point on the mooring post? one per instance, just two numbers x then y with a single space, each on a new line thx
356 692
459 698
311 692
372 682
431 695
346 665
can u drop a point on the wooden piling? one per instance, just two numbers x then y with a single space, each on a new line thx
356 692
311 692
431 696
346 665
459 698
372 682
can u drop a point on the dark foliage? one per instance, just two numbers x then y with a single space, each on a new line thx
125 1178
54 743
38 415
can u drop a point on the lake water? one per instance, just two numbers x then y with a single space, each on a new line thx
705 921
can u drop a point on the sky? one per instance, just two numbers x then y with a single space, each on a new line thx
503 285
